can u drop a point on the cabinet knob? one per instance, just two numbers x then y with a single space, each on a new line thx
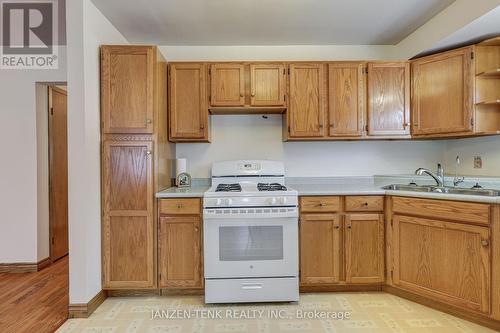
320 125
241 95
365 204
332 125
148 152
148 121
322 204
202 126
485 242
349 226
337 227
253 94
406 125
179 206
196 229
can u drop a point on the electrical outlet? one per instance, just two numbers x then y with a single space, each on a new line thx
478 162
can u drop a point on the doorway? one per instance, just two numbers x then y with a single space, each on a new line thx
58 172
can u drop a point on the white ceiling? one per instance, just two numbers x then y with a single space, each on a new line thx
269 22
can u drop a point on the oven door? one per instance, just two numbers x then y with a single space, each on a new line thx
250 244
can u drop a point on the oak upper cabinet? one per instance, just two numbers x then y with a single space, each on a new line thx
445 261
188 102
267 84
179 252
388 99
227 84
346 99
306 110
442 94
180 264
128 228
127 81
364 248
319 249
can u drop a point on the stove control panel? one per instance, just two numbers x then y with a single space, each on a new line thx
258 201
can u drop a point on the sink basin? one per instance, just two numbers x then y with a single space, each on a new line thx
447 190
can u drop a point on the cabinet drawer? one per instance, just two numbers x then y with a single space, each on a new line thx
319 204
364 204
191 206
467 212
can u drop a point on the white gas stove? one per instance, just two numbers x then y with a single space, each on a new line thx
250 234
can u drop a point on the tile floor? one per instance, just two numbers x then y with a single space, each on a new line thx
369 312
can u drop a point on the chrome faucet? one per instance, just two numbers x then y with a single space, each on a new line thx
457 180
438 176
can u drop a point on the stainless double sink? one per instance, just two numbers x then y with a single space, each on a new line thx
445 189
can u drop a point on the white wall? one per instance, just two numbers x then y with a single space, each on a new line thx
87 31
18 170
42 145
486 147
252 137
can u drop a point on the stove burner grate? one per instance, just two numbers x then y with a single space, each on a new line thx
270 187
228 188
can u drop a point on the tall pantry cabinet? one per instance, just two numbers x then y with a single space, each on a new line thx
135 162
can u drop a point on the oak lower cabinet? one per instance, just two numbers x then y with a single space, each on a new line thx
320 258
180 264
364 244
341 241
128 219
447 261
188 102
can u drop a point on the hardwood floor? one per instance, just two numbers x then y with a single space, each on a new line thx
34 302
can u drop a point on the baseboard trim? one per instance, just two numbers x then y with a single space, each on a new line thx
450 309
84 310
132 292
25 267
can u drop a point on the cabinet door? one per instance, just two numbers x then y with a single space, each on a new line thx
127 81
446 261
267 83
188 102
127 215
179 252
389 98
319 249
346 95
227 85
364 248
442 93
307 92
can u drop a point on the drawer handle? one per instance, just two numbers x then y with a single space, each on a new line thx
251 286
485 242
179 206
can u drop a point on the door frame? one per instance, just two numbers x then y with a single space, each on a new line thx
50 90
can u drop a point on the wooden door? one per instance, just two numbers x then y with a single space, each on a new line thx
442 93
267 82
306 113
127 81
346 98
364 248
227 84
446 261
188 101
179 256
58 173
319 249
388 98
127 187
